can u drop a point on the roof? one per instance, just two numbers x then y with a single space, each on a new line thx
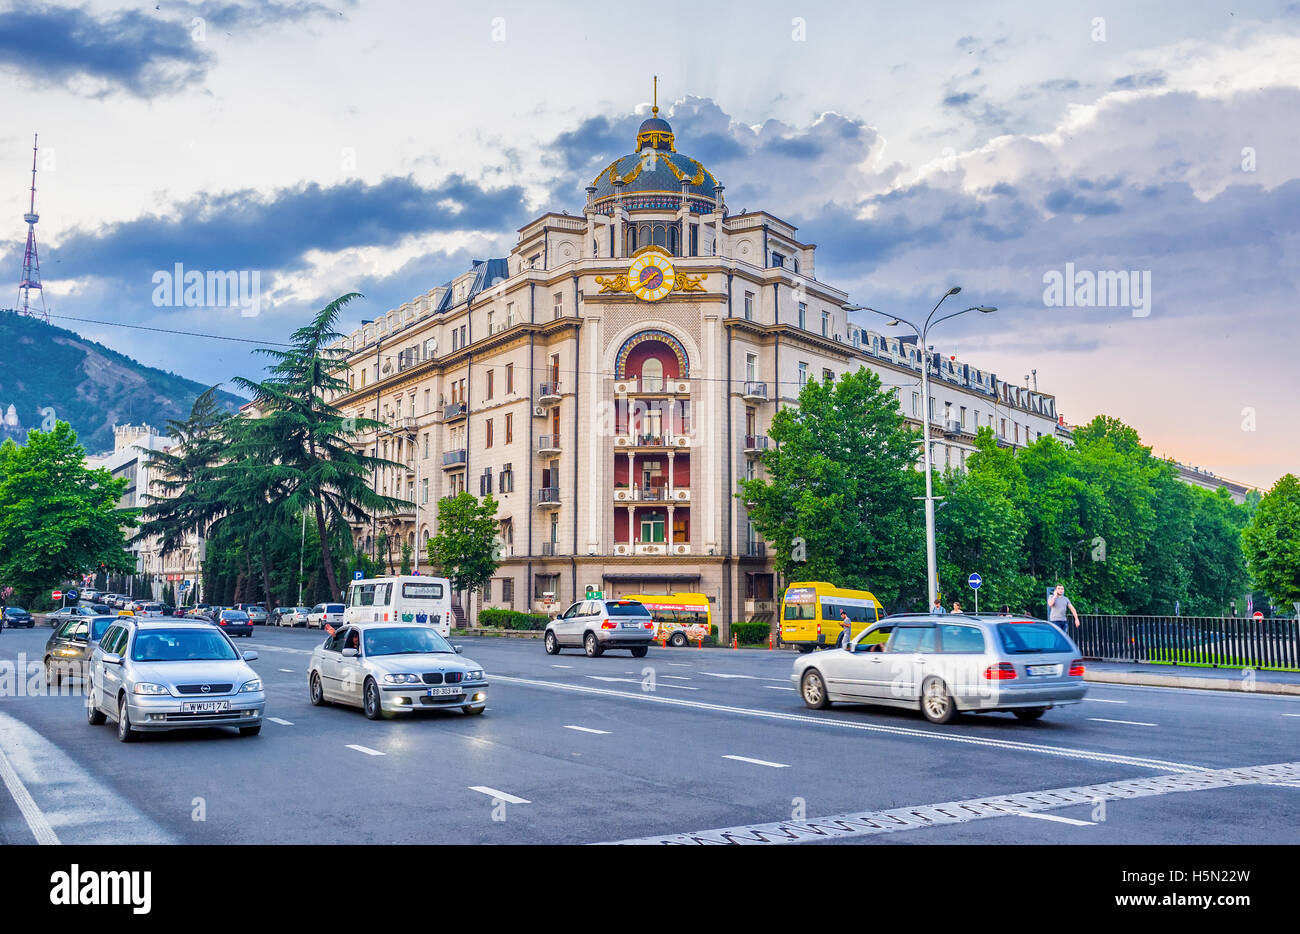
487 272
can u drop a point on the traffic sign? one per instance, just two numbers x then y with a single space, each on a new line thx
185 585
71 594
57 595
356 575
1258 615
975 580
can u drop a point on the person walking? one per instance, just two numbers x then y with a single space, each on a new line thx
938 609
1058 604
956 606
846 629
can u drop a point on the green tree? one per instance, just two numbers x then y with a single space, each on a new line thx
1271 542
58 518
465 548
1218 566
407 554
836 501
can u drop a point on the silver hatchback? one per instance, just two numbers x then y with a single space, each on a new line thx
945 665
172 674
598 625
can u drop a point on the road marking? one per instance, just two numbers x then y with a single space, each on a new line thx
682 664
826 721
561 666
680 687
1061 820
587 729
773 687
676 677
1291 714
867 823
771 765
1105 700
493 793
31 812
287 671
1125 722
366 749
279 721
718 674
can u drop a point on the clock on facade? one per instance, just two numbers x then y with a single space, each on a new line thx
651 276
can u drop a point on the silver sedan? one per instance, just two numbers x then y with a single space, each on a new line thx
944 665
172 674
386 668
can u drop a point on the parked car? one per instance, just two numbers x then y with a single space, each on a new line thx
234 622
18 618
60 616
386 668
323 614
170 674
599 625
202 611
67 651
289 616
945 665
256 612
143 608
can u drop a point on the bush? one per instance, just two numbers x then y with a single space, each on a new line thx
512 619
751 633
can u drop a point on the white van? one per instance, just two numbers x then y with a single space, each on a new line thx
404 599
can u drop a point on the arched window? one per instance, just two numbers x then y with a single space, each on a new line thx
672 241
631 239
652 375
660 235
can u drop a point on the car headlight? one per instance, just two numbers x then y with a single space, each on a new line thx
402 679
250 686
145 687
476 675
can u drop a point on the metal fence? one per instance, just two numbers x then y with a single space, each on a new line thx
1206 641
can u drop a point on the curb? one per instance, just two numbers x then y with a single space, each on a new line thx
1190 681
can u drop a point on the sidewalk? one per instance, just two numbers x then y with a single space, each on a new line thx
1177 676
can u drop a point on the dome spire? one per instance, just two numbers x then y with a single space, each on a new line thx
655 133
654 108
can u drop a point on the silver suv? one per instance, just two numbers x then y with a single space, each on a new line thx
944 665
597 625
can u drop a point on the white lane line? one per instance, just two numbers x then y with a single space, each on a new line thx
586 729
680 687
1291 714
770 765
287 671
916 817
676 677
366 749
493 793
867 727
281 722
1105 700
773 687
561 666
1061 820
682 664
35 817
1125 722
718 674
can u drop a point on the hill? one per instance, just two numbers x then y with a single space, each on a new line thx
87 385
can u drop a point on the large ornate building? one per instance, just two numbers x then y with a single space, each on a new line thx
613 378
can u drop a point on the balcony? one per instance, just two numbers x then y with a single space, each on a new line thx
455 411
755 550
755 392
548 393
652 386
658 441
453 459
548 444
548 496
658 494
651 549
760 607
548 549
756 444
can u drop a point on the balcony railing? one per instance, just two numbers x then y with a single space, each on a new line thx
454 410
457 458
548 549
755 391
549 496
652 384
755 443
755 549
548 392
548 443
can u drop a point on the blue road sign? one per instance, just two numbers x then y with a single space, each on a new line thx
71 595
975 580
356 575
185 585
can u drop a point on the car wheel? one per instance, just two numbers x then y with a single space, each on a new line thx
640 650
592 646
53 676
1029 713
124 732
678 639
94 716
805 649
474 711
813 689
552 644
936 703
315 691
371 702
250 730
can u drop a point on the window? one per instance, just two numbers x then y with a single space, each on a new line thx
751 469
652 527
652 375
507 482
544 584
827 376
751 367
913 639
803 374
803 315
1003 432
932 400
510 377
412 404
510 314
487 590
424 491
508 591
963 417
426 445
826 324
491 327
488 434
558 305
777 259
749 306
491 377
916 404
510 428
796 265
455 339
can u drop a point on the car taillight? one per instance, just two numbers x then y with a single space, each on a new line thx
1002 671
649 625
607 624
1076 668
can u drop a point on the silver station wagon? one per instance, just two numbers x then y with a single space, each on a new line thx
945 665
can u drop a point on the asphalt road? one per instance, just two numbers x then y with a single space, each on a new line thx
578 750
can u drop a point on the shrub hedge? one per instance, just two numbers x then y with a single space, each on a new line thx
512 619
751 633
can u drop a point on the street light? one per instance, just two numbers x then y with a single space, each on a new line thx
922 335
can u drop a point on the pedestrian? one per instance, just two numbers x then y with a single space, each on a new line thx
1004 610
1057 606
846 629
938 609
956 606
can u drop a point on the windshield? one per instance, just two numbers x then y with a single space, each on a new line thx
1031 638
405 640
178 645
99 625
235 615
626 608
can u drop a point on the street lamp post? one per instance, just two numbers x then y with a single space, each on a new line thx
922 334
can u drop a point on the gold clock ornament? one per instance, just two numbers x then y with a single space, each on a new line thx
651 276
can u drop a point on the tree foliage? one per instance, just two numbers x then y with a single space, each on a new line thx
1271 542
465 549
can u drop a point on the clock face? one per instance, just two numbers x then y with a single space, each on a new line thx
651 277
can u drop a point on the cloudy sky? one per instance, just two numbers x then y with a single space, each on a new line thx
381 146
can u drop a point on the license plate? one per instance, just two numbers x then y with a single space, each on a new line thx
1041 670
212 706
441 692
631 625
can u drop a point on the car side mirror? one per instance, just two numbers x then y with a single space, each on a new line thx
350 653
460 649
112 658
250 655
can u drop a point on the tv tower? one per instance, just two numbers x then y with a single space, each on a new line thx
31 280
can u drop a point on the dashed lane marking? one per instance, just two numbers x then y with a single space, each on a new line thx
1060 820
1125 722
586 729
493 793
770 765
279 721
366 749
